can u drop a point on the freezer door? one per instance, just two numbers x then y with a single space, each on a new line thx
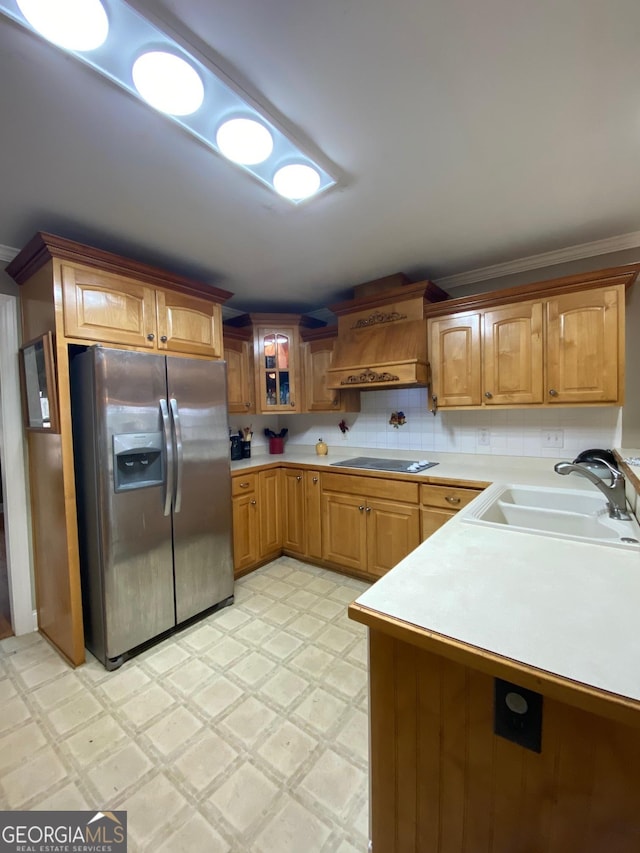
203 565
135 534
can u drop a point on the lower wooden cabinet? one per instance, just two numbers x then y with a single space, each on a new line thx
257 528
440 503
369 524
302 521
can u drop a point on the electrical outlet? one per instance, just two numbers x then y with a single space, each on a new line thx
483 438
553 438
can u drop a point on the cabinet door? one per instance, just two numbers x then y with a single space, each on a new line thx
585 345
512 354
188 325
269 511
393 531
454 355
276 370
240 390
313 513
344 531
100 307
293 534
432 519
245 532
317 397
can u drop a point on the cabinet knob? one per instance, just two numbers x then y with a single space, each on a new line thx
253 502
361 507
247 405
334 402
314 480
368 509
450 499
150 336
488 395
164 339
291 403
299 477
553 392
244 485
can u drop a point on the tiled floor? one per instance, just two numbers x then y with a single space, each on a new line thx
247 732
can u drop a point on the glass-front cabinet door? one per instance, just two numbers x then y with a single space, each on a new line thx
276 375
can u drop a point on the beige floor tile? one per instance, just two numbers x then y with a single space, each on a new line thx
217 696
100 736
327 608
249 720
168 656
119 771
359 653
284 687
344 594
204 760
278 589
298 578
346 847
174 729
124 682
280 569
153 807
334 638
244 797
312 661
306 625
229 619
346 678
321 710
226 652
191 675
68 799
321 586
280 613
255 632
195 836
18 746
201 637
7 689
287 749
282 645
303 599
257 603
146 705
334 781
33 777
354 734
53 667
13 712
30 656
77 711
253 668
60 690
294 829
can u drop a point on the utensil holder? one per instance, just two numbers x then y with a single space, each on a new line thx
246 449
276 445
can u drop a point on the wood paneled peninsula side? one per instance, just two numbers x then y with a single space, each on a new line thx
84 296
474 607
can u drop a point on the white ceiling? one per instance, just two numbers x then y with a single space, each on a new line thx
465 134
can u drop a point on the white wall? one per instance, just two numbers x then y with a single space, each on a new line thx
517 432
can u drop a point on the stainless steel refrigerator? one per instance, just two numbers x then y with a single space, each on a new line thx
151 446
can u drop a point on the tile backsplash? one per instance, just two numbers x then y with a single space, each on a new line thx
561 432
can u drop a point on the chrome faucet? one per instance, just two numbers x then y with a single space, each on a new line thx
613 491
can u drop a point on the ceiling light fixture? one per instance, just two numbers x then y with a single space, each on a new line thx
186 86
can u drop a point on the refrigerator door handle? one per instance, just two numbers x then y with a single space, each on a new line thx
179 452
168 445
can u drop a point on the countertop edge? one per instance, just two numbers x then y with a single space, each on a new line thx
575 693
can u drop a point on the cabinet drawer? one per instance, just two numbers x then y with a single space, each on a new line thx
448 497
242 484
374 487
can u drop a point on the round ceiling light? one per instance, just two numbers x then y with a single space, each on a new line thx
168 83
245 141
73 24
296 181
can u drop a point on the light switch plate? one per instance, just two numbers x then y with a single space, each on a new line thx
553 438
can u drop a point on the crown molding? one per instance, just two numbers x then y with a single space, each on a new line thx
7 253
546 259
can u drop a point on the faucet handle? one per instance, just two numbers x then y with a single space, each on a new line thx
615 474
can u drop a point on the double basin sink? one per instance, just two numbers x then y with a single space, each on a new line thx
563 513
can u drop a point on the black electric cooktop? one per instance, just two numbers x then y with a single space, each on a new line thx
371 463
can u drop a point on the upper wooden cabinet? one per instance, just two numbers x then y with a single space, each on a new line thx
238 353
106 308
317 352
276 347
564 348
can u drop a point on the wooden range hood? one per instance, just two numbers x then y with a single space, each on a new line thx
382 335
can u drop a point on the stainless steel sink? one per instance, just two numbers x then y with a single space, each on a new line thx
563 513
371 463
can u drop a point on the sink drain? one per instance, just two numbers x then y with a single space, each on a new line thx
628 540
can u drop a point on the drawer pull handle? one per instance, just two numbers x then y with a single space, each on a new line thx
244 485
452 500
314 480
